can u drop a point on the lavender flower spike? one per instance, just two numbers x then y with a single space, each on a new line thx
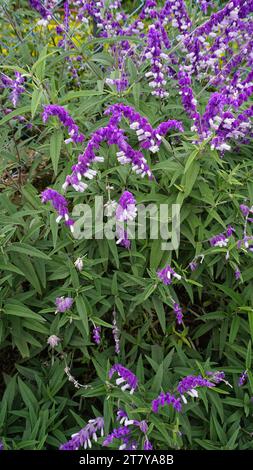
166 399
14 85
178 312
126 377
85 436
63 304
60 205
66 119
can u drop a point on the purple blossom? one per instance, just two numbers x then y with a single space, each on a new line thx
243 378
96 334
126 377
166 275
66 120
14 85
126 209
119 433
166 399
63 304
53 341
230 231
178 312
219 240
217 377
193 265
1 446
237 274
245 210
85 436
190 383
60 204
147 445
40 8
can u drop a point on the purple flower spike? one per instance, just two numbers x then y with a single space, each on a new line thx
14 85
166 399
119 433
126 209
66 120
243 378
190 383
1 446
147 445
60 205
85 436
63 304
166 275
178 312
126 377
245 210
219 240
96 335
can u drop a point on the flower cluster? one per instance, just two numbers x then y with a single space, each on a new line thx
15 85
60 205
126 377
63 304
96 334
85 436
66 120
53 341
167 274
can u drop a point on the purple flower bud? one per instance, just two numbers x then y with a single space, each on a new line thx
166 275
243 378
63 304
53 341
96 334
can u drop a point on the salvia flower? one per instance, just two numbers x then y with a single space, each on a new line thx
147 445
60 204
66 120
166 399
85 436
167 274
1 446
126 378
79 264
14 85
219 240
243 378
53 341
237 274
63 304
126 209
190 383
96 334
119 433
178 312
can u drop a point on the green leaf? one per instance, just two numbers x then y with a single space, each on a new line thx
55 148
13 307
27 250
